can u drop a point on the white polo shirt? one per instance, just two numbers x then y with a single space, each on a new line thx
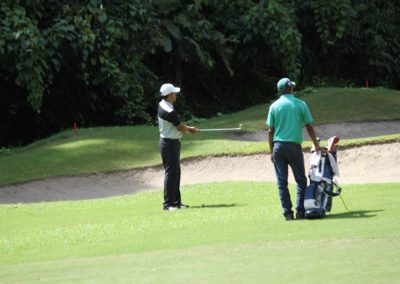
168 120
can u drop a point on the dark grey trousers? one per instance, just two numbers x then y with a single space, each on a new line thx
170 153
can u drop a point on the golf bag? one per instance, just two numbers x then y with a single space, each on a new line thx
323 185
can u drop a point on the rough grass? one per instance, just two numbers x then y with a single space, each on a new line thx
239 236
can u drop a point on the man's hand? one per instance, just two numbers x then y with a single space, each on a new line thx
319 148
184 128
192 129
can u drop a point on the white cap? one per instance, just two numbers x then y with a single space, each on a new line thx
167 89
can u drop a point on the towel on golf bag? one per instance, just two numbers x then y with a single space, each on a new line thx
323 184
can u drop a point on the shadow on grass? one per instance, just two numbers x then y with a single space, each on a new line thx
354 214
216 206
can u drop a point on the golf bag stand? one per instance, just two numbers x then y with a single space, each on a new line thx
323 185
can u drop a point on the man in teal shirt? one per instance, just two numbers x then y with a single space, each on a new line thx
286 118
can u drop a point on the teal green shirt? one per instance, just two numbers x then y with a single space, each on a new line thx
288 115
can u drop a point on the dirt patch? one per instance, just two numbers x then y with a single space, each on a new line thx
365 164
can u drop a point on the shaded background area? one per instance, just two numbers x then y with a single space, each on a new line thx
101 63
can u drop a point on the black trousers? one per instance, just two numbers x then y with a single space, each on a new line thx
170 153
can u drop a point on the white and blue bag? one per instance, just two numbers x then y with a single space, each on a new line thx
323 184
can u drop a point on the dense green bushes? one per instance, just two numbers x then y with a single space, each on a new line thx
102 62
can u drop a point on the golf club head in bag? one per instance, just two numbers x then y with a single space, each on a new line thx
332 142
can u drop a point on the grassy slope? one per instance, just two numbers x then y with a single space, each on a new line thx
238 237
327 105
113 148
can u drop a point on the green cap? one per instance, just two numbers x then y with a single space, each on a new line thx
285 83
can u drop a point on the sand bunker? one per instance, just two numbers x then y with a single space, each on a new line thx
365 164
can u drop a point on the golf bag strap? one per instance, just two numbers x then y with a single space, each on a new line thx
334 165
334 192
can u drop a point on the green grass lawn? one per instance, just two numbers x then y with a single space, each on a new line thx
239 236
113 148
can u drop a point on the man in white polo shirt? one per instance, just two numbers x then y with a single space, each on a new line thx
171 129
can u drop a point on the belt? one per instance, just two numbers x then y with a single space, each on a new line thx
287 142
170 139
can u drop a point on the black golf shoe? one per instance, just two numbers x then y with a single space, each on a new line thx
288 216
300 215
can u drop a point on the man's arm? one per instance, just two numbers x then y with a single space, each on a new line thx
271 132
313 136
174 119
184 128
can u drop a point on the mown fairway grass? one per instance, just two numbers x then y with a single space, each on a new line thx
239 236
114 148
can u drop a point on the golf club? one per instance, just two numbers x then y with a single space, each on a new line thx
222 129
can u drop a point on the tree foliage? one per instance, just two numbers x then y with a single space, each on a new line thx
101 62
350 41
